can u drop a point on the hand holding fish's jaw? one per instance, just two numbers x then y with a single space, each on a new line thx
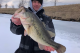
18 13
16 17
16 20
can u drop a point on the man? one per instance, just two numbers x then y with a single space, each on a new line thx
27 45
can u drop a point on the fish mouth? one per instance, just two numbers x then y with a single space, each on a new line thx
20 10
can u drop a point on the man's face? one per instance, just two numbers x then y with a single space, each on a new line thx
36 5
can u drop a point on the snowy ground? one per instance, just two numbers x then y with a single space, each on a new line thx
67 33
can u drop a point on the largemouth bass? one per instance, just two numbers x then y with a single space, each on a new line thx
36 30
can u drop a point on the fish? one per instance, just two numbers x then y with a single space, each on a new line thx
36 30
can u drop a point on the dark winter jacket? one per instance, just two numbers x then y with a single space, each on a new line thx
27 45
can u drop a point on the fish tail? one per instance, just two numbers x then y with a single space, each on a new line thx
61 49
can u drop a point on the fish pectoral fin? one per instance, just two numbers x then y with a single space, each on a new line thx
41 46
25 33
27 28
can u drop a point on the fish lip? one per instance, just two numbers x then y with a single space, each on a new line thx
20 10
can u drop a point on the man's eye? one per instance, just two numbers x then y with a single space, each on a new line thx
34 1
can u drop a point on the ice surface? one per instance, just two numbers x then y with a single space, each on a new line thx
67 34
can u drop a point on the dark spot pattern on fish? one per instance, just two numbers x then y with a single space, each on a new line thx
54 44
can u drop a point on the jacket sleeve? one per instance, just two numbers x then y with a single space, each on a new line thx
51 25
16 29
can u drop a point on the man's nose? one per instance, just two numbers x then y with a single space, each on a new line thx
36 3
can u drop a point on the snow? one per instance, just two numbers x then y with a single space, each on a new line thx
9 42
67 34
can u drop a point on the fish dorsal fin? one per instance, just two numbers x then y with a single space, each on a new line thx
51 34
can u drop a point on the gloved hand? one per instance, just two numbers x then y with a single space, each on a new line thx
46 48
